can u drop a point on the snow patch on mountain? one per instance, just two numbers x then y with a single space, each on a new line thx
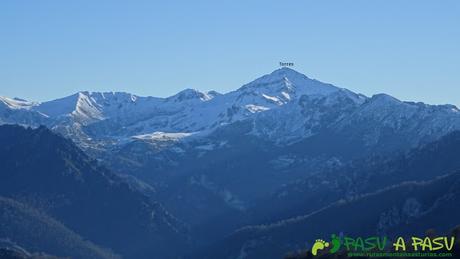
163 136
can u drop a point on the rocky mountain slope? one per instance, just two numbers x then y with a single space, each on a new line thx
402 210
41 233
50 174
402 195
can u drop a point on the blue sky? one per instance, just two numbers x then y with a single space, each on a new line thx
49 49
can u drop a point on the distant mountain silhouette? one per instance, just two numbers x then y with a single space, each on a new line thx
48 172
361 176
403 210
404 195
39 232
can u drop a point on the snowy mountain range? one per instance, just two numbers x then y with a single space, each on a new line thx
252 156
221 143
280 122
283 107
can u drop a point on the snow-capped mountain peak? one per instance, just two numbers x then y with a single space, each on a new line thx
190 95
285 84
79 103
15 103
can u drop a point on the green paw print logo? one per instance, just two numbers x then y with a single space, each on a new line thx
321 245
